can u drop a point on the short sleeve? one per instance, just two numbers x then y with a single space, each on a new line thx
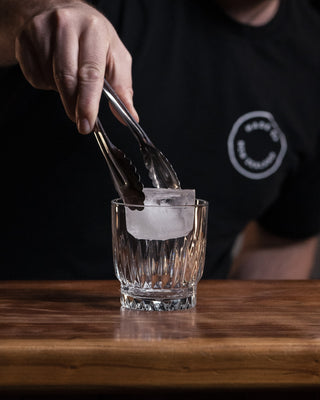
296 212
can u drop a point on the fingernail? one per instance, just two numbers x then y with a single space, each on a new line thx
83 126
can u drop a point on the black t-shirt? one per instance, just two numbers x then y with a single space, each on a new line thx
235 109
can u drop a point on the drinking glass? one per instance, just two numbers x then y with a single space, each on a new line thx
160 272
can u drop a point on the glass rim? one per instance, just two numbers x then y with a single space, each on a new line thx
201 203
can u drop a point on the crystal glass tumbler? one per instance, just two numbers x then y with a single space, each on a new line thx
160 270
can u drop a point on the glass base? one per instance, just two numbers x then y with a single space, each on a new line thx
156 300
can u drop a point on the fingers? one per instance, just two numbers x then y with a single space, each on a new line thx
91 69
118 74
71 49
65 65
99 57
25 54
33 52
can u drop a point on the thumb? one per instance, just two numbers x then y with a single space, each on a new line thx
126 96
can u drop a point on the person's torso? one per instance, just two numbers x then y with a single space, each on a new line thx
233 108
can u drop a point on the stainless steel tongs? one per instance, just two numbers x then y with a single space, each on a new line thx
125 177
160 170
123 173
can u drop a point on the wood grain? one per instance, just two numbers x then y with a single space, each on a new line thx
241 334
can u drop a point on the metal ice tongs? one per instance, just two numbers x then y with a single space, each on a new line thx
160 170
123 173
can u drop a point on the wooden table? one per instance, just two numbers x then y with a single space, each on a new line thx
241 334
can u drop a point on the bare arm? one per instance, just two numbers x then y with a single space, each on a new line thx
265 256
68 46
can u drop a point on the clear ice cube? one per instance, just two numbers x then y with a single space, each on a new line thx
159 219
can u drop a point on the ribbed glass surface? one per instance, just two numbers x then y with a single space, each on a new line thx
153 271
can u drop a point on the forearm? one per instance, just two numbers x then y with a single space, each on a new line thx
13 15
265 256
290 262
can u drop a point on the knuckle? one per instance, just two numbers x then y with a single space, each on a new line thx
65 79
32 29
89 72
37 22
61 17
94 21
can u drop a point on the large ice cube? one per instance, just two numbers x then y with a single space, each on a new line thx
160 219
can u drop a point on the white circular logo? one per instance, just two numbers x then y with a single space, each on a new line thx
256 145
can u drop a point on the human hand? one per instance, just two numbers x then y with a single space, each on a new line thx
71 47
